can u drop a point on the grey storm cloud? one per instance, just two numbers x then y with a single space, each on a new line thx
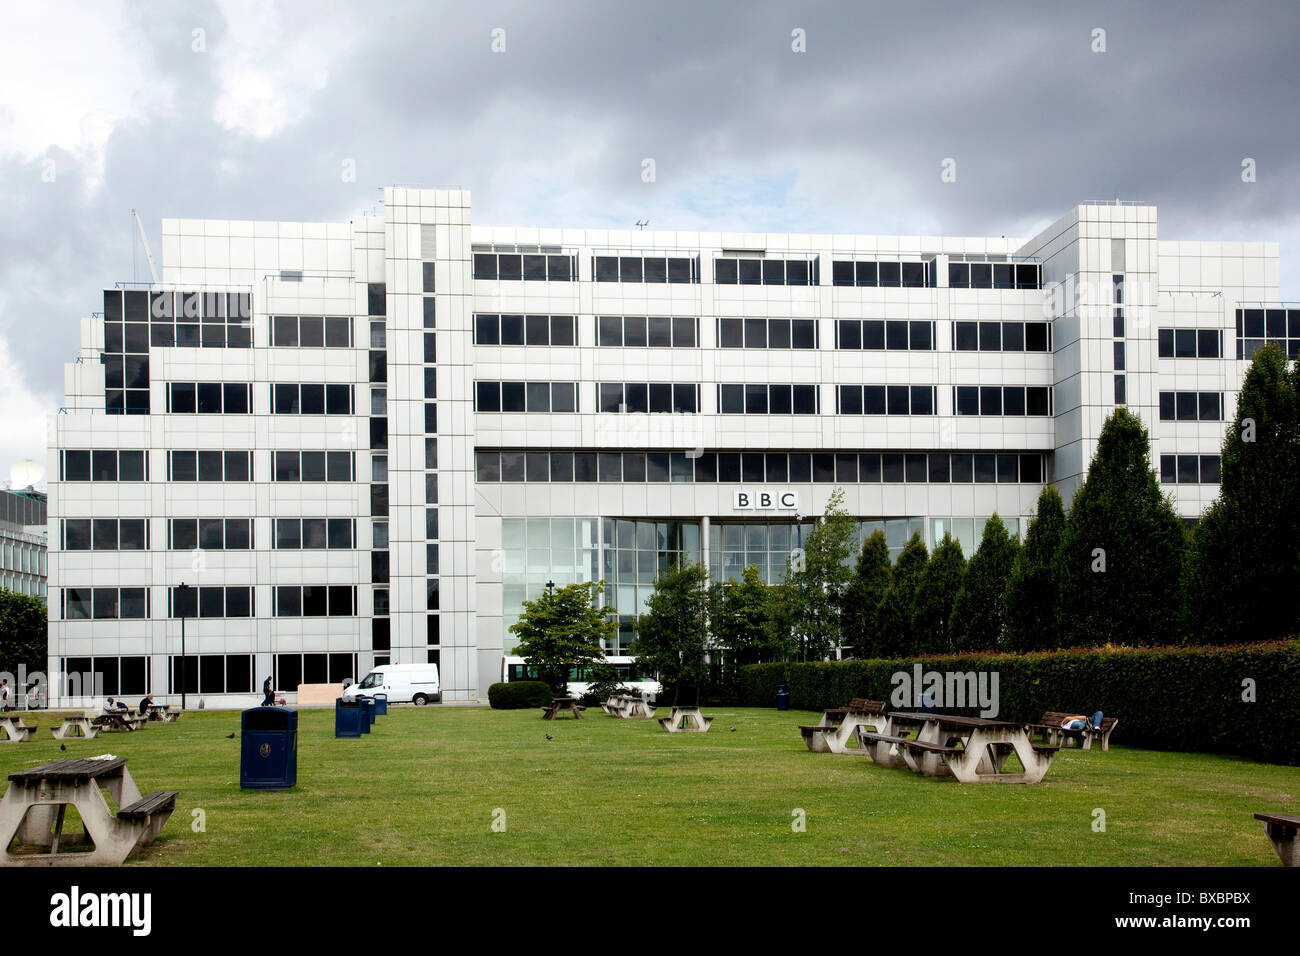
746 134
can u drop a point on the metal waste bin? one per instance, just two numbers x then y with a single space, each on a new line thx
268 753
349 715
381 705
367 713
782 697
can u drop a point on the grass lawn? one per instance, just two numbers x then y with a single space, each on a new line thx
422 789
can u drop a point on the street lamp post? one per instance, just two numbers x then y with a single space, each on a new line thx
181 591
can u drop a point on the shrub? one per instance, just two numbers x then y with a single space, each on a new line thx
1166 698
520 695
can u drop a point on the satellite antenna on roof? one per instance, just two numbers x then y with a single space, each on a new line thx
25 473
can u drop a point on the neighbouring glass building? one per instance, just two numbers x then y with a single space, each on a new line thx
370 441
22 541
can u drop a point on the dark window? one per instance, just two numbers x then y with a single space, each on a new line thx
873 399
896 400
892 468
1210 469
1036 337
1038 400
1013 400
938 468
986 469
182 397
76 466
1207 343
990 400
849 333
1210 406
487 396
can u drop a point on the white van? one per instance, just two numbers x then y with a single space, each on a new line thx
417 683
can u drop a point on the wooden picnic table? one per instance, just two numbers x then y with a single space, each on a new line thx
686 719
627 706
563 705
1282 830
123 721
163 713
839 726
971 749
35 805
13 730
73 728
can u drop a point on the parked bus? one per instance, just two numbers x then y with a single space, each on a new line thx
514 668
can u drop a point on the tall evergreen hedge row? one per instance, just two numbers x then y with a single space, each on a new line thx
1184 698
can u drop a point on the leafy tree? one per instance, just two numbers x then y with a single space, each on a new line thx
742 619
816 579
979 620
1121 555
672 636
936 593
871 579
1243 568
24 634
895 614
563 630
1032 588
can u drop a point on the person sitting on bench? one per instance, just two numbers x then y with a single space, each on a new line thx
112 706
145 703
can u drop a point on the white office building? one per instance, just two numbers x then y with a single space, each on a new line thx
370 441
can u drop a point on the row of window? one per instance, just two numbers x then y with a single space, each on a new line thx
212 601
648 397
872 274
311 331
1002 399
335 600
756 333
732 467
729 270
529 268
230 466
162 334
885 399
525 397
210 398
143 306
104 534
995 275
491 329
769 399
1191 407
103 604
103 464
313 399
891 334
1001 337
1189 469
210 534
1257 327
767 333
1190 343
652 269
98 676
636 331
755 270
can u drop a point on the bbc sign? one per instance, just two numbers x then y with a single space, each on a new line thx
765 501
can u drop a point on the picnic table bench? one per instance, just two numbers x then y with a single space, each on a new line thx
1051 731
1282 830
73 728
163 713
625 705
838 726
118 723
563 704
686 720
14 730
35 805
971 749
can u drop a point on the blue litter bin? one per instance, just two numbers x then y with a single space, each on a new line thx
381 705
349 715
782 697
367 713
268 750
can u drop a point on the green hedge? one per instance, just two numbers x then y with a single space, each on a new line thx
520 695
1187 699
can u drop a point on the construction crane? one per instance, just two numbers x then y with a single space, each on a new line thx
153 268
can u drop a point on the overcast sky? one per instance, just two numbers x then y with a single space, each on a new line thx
249 110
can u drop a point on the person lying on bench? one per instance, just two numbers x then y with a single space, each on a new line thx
1074 722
